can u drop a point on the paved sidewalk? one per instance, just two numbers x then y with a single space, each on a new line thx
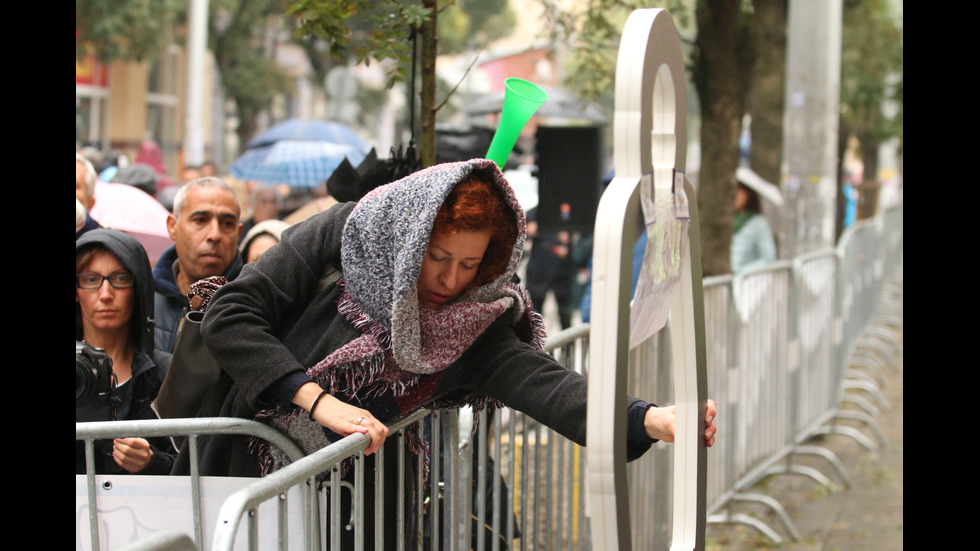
868 516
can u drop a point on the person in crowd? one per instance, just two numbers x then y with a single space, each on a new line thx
114 312
138 175
80 216
266 201
205 229
85 193
639 249
208 168
550 268
191 173
425 314
753 245
99 160
260 238
149 154
320 202
166 197
850 201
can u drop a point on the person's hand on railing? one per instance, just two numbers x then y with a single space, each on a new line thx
132 454
661 423
340 417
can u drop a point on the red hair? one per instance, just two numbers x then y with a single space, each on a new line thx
477 206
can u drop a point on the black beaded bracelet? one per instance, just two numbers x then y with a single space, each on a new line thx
315 402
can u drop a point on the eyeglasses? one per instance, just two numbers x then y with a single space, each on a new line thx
92 280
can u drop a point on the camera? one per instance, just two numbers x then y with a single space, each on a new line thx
93 374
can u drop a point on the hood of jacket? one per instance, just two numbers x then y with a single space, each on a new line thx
163 273
130 254
387 234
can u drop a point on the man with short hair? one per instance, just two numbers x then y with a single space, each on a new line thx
266 201
85 193
208 168
191 173
205 228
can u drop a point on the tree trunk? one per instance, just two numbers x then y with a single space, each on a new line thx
724 56
768 88
247 127
842 138
868 198
427 113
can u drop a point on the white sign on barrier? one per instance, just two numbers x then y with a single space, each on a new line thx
663 261
132 507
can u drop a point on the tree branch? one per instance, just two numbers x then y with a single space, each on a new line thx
461 79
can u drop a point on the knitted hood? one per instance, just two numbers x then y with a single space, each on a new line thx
384 243
382 248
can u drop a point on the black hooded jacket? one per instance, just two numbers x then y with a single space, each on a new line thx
149 365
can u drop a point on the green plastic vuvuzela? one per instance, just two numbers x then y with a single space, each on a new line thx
521 101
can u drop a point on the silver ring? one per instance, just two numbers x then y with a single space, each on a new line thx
358 422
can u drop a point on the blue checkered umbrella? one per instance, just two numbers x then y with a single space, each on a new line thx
310 130
300 164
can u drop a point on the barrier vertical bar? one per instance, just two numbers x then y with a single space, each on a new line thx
93 505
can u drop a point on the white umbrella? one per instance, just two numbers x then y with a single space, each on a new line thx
758 184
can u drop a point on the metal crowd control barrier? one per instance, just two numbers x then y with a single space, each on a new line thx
782 343
545 472
538 502
164 540
304 471
192 428
545 507
832 299
769 371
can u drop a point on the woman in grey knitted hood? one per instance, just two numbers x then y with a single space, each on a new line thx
424 315
427 265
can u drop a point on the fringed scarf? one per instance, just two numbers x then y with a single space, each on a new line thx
365 373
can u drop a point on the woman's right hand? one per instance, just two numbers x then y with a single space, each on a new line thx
661 423
340 417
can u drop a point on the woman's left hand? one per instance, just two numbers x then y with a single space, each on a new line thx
660 423
132 454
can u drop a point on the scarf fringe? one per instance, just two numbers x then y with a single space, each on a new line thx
349 308
538 335
361 370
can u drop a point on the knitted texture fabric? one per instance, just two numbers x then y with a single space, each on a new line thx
385 240
395 365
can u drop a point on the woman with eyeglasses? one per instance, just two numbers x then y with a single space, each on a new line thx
114 312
